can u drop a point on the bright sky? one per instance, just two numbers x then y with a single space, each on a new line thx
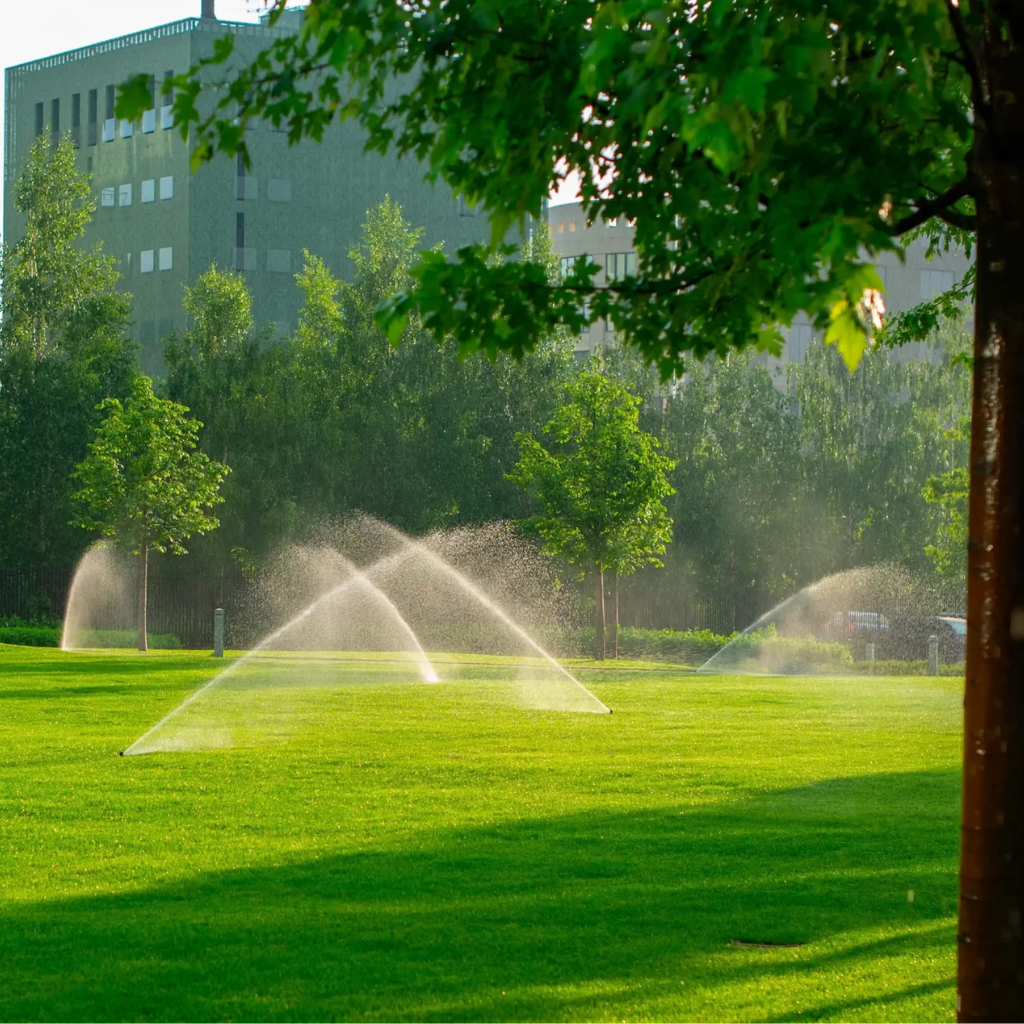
29 31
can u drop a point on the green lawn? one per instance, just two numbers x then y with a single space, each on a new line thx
425 853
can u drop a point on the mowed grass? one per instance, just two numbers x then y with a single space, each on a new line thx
425 853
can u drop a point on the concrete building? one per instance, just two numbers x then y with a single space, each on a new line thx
165 225
610 244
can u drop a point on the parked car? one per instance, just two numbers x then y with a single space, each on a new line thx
850 625
906 639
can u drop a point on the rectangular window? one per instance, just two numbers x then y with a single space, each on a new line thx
568 263
40 119
612 222
800 338
107 196
167 258
152 92
561 227
279 190
572 225
92 135
148 191
239 230
935 282
245 259
146 261
463 208
166 117
55 118
279 261
619 265
167 187
109 115
76 110
127 129
108 130
148 122
124 195
128 264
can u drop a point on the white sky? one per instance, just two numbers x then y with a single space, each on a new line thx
30 30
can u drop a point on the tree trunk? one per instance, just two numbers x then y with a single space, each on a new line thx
615 615
143 589
598 613
990 937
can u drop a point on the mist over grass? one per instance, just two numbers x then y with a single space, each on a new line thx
421 852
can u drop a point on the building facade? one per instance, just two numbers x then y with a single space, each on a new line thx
610 244
165 225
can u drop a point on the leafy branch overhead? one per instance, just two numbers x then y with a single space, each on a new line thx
768 152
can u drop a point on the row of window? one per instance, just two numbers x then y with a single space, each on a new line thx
152 259
147 194
275 261
247 187
617 265
610 222
149 118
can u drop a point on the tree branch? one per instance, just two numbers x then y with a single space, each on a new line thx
928 208
964 221
970 61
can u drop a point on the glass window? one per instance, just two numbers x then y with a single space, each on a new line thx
561 227
110 103
148 122
935 282
76 110
40 119
572 225
167 187
619 265
126 129
107 196
124 195
166 258
612 222
166 117
108 130
800 338
146 261
55 117
568 264
148 191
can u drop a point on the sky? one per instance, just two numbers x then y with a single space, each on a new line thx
69 24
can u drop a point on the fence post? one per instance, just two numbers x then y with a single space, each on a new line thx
869 652
933 655
218 632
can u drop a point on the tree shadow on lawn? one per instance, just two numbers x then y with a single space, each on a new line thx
587 916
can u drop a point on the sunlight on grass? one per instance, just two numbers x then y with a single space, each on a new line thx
422 852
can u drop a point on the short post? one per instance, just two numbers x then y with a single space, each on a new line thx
933 655
218 632
869 652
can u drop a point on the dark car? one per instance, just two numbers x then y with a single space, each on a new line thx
906 639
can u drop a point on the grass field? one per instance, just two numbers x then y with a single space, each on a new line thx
424 853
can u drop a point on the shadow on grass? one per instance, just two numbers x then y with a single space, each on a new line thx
585 916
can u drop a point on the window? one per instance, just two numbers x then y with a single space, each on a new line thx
108 130
239 230
800 338
572 225
612 222
76 116
463 208
561 227
40 119
55 118
619 265
167 187
124 195
148 191
148 122
91 135
568 263
279 261
107 196
279 190
935 282
110 103
166 117
246 187
128 264
127 129
166 258
146 261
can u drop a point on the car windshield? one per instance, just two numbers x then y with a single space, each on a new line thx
959 626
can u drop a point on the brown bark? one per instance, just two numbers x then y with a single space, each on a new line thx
143 591
598 613
990 935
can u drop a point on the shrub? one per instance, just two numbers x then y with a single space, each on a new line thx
47 636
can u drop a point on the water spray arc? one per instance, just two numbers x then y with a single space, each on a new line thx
427 670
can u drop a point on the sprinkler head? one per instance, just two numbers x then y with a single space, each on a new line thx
120 753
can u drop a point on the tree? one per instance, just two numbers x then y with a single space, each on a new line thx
48 282
768 152
143 484
600 486
950 491
63 348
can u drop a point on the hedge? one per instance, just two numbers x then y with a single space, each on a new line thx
46 636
